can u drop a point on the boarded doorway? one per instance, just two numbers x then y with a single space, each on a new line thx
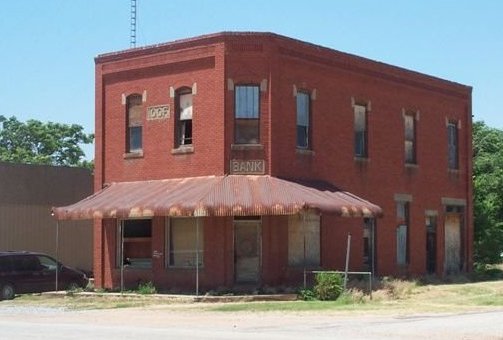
247 250
452 243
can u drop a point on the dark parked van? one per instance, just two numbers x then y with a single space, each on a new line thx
28 272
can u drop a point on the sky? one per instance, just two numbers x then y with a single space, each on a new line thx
47 47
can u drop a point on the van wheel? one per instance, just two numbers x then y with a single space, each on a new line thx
7 292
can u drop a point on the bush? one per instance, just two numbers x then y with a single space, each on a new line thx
328 286
307 294
146 288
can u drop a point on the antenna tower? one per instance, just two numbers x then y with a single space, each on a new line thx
132 36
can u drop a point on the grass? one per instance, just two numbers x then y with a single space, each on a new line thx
391 296
395 296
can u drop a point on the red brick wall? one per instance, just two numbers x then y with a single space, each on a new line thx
336 78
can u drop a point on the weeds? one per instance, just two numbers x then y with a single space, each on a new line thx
146 288
398 289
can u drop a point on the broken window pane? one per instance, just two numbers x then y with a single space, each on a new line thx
303 120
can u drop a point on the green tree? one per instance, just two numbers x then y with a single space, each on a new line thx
35 142
488 193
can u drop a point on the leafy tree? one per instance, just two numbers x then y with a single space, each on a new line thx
35 142
488 193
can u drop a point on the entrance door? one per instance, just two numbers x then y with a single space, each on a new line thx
431 244
247 250
452 243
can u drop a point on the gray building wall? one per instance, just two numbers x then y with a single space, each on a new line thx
27 194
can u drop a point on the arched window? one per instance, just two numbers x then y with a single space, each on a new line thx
183 125
134 123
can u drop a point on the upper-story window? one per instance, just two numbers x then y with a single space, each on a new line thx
134 123
410 138
452 145
303 118
183 124
360 127
247 115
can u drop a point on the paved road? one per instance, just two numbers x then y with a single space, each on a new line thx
132 323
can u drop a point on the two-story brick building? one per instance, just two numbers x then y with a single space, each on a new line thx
241 155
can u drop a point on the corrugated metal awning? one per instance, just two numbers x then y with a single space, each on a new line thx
232 195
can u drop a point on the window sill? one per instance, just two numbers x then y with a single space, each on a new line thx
412 165
361 159
306 152
247 147
183 149
136 154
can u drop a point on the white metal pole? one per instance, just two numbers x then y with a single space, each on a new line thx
121 226
57 253
348 248
197 256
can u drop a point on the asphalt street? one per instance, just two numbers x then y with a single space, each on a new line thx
137 323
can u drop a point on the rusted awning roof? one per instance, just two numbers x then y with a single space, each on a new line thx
232 195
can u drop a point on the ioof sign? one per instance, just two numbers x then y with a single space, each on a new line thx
247 167
158 112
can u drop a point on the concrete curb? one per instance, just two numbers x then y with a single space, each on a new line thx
181 298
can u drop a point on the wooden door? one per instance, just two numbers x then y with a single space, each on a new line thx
452 243
247 251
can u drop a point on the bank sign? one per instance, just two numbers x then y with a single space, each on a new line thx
247 167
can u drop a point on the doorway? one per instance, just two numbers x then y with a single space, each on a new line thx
452 243
431 244
247 249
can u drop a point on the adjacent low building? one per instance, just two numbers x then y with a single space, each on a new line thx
27 194
246 159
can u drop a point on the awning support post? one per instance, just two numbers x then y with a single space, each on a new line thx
348 248
121 226
304 240
197 256
57 254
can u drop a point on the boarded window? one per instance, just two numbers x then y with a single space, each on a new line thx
134 123
303 117
304 238
410 139
401 245
360 127
183 124
452 143
402 248
186 243
368 243
247 114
